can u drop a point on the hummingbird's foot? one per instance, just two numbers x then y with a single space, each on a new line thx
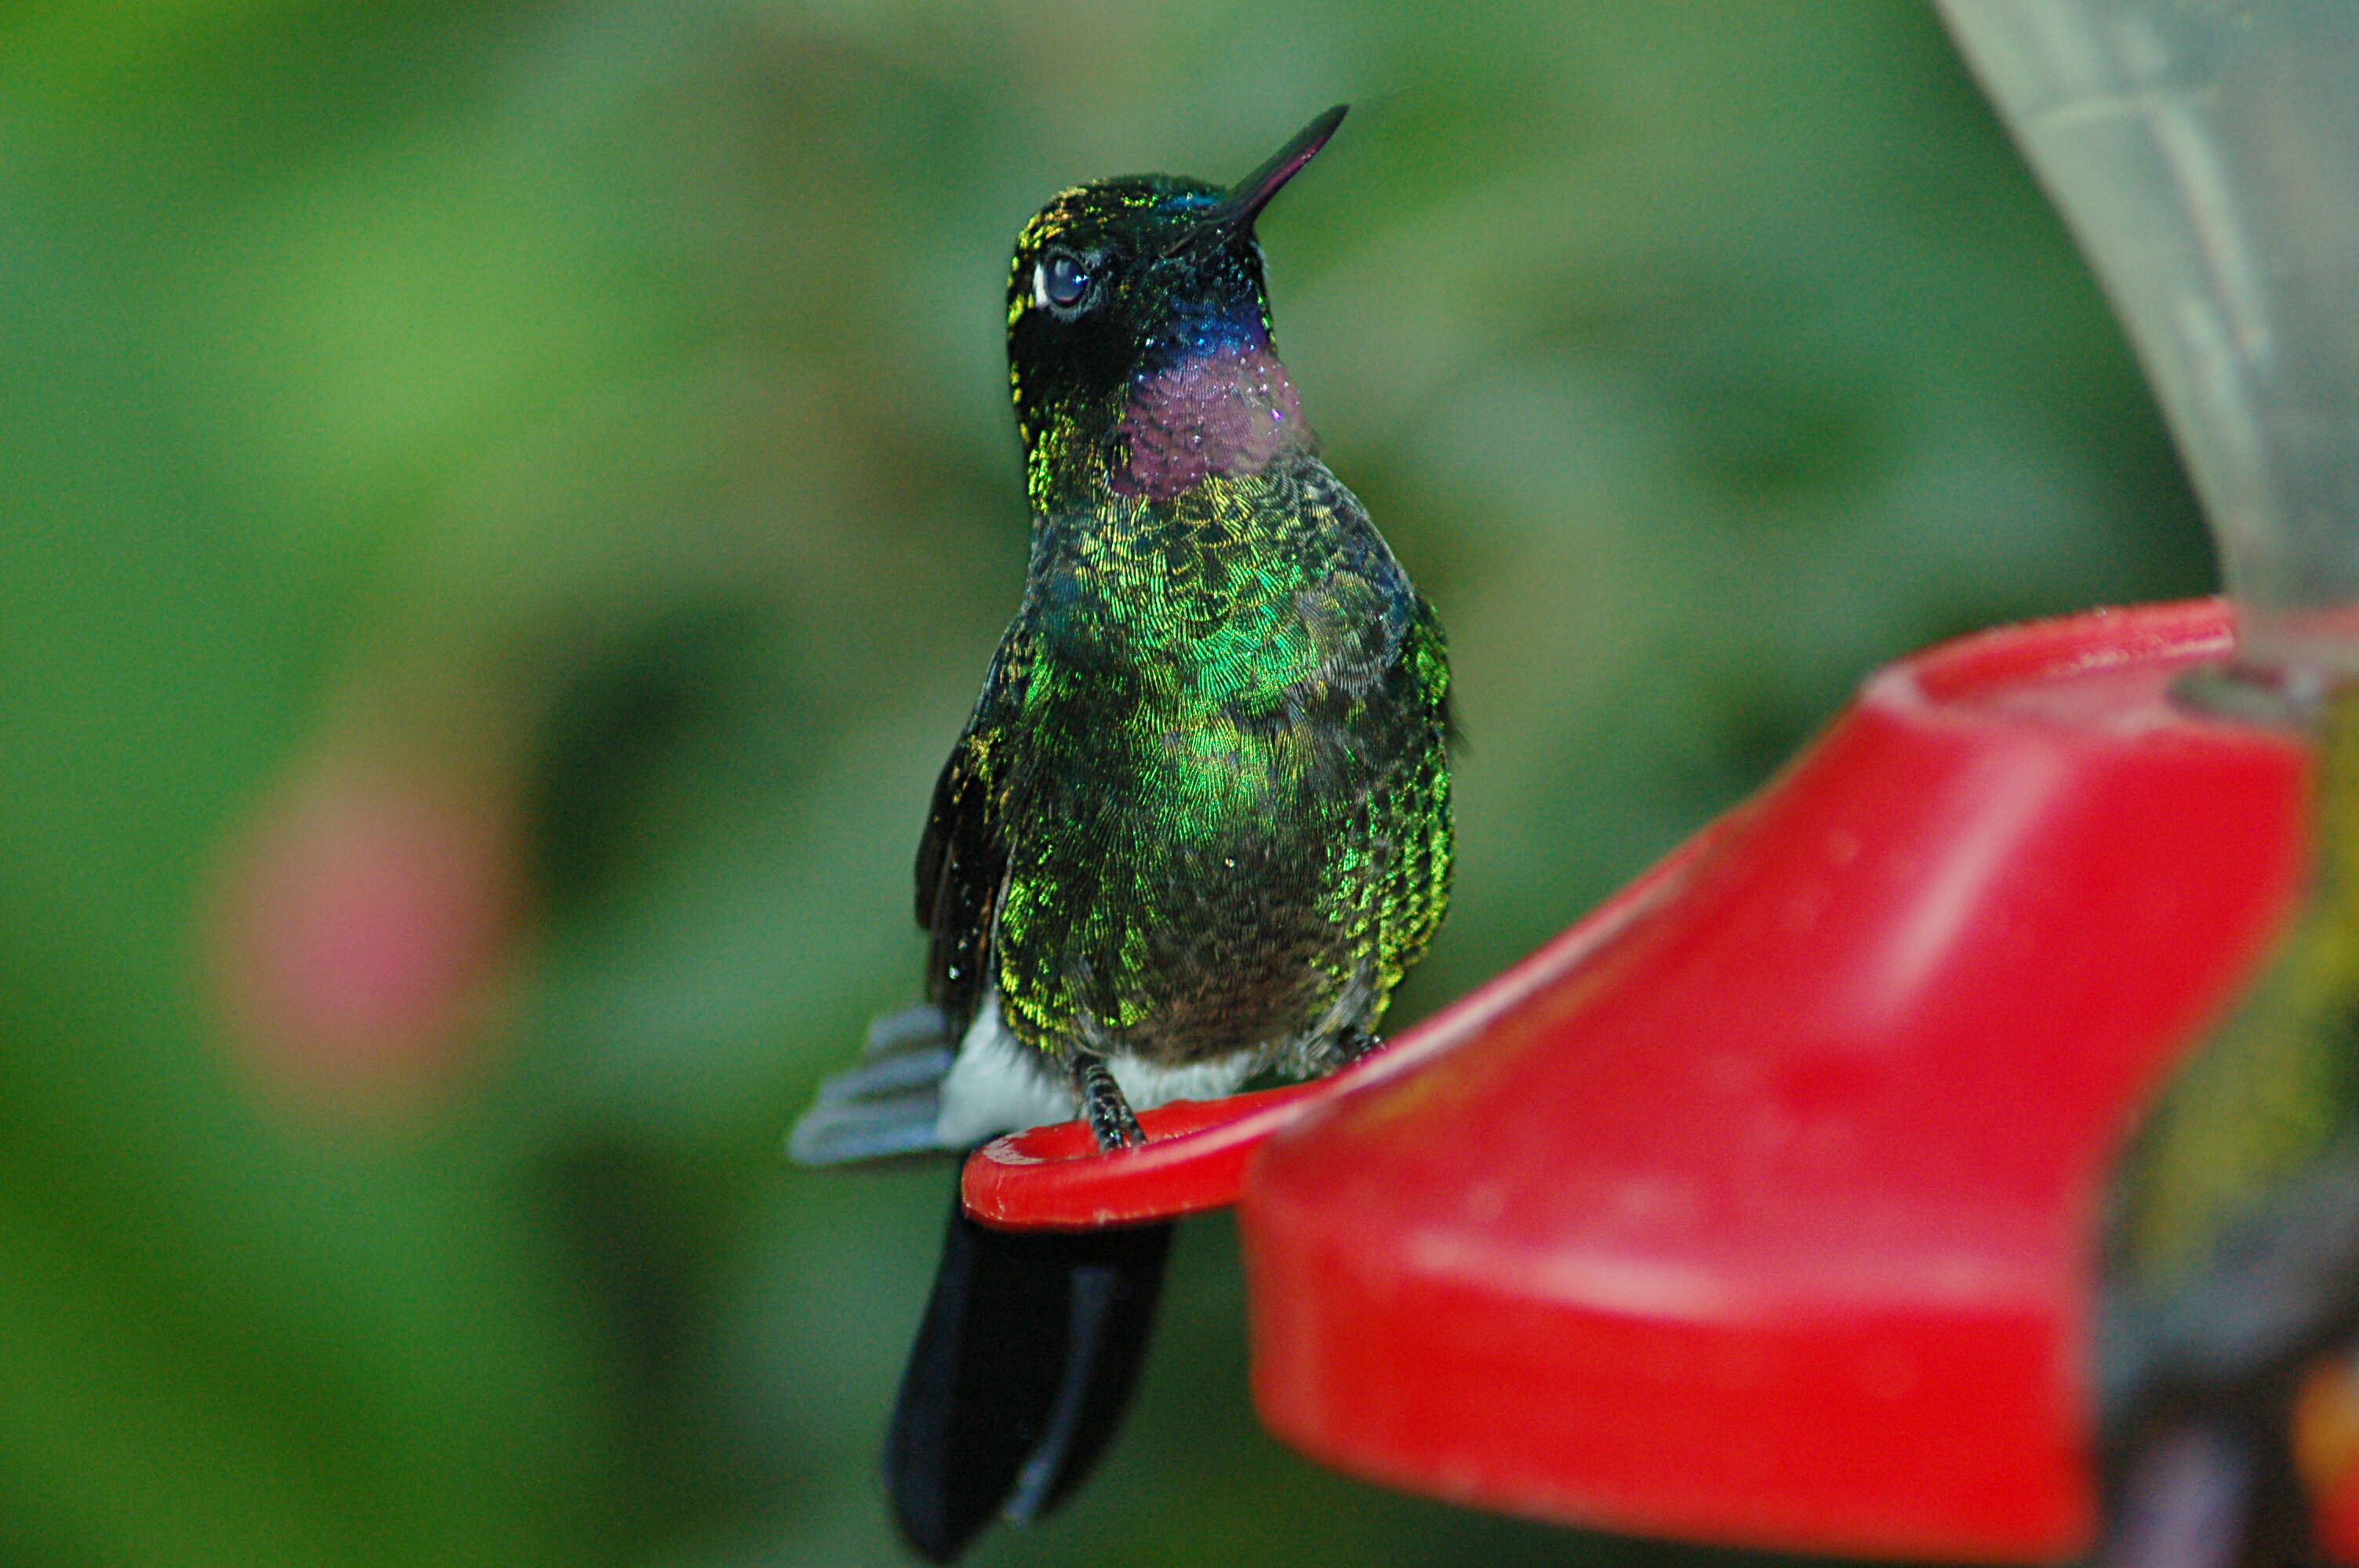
1354 1043
1109 1114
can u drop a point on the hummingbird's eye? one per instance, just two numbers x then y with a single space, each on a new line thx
1061 281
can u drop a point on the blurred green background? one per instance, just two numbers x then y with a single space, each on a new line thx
506 508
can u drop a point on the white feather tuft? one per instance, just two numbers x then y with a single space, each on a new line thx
996 1085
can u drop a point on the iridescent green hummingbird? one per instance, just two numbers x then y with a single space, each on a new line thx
1197 828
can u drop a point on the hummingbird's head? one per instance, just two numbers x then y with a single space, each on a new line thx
1139 332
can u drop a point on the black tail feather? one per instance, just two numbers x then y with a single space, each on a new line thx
1031 1348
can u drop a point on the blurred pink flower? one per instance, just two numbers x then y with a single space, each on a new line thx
362 930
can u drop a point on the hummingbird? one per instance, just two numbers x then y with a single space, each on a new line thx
2228 1276
1196 829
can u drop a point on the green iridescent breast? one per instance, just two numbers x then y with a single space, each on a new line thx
1223 796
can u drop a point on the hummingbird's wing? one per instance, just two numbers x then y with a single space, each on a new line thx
962 856
961 861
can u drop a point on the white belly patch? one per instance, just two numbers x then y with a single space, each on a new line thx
995 1085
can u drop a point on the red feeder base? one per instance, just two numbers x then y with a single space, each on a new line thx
1760 1213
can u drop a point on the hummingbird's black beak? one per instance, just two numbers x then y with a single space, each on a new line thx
1235 216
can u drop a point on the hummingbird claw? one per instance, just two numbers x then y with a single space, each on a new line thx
1109 1114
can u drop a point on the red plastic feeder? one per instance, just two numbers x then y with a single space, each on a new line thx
1767 1221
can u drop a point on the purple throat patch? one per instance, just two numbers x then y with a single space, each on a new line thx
1226 413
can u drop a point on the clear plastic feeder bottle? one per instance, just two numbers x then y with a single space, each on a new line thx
2206 154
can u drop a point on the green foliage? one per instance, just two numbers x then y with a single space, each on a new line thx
607 402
